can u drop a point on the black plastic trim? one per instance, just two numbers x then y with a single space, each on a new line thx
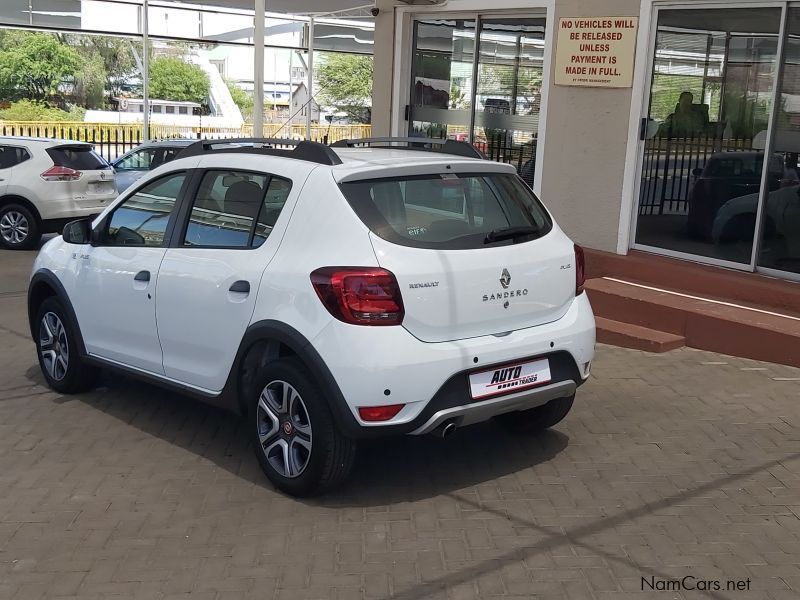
301 150
442 146
47 277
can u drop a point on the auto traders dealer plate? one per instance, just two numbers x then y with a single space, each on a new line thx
509 379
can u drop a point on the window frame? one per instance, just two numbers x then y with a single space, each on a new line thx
185 211
100 231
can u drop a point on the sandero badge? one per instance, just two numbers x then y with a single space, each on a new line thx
505 281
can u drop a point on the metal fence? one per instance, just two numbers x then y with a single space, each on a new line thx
667 169
501 147
112 141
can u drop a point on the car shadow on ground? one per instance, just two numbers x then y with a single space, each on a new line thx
387 470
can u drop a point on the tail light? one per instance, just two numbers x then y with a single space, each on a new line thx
359 295
58 173
580 270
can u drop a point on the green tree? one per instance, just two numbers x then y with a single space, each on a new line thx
112 59
345 83
33 65
173 79
242 99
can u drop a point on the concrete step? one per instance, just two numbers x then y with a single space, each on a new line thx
707 324
748 289
626 335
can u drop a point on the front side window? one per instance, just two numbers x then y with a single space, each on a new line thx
141 220
449 211
235 209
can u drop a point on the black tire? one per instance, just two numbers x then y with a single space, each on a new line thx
77 376
539 418
320 456
11 214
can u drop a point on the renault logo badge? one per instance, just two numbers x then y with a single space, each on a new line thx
505 279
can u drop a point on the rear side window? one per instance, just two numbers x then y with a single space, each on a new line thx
80 158
235 209
449 211
11 156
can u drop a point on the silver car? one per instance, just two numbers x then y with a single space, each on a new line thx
146 157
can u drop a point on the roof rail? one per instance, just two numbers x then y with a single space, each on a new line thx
415 143
297 149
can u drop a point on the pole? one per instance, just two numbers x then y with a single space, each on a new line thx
145 71
258 76
310 85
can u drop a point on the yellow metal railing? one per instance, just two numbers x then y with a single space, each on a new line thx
126 133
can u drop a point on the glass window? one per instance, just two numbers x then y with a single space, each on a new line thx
80 158
714 72
780 234
142 219
11 156
137 161
235 209
449 211
277 193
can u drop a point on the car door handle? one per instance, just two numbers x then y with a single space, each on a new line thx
142 276
240 287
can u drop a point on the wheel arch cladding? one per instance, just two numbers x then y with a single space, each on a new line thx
44 284
265 341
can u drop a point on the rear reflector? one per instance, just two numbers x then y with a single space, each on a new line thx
580 270
359 295
379 413
58 173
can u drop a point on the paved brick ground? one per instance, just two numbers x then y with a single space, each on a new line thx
672 465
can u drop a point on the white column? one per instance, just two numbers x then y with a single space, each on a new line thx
258 75
145 72
310 84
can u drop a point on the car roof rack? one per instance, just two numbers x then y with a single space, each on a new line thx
297 149
415 143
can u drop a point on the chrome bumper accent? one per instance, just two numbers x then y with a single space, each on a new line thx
475 412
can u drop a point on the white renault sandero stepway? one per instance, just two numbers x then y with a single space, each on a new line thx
378 287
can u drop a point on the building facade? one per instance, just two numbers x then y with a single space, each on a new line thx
665 154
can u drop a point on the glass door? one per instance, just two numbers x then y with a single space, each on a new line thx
711 101
441 78
509 90
780 220
491 97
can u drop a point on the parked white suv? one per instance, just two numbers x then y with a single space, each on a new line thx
327 294
45 183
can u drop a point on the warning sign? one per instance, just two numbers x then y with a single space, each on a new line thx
596 51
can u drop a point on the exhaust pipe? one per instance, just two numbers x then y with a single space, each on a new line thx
445 429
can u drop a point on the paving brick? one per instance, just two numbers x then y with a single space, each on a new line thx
681 463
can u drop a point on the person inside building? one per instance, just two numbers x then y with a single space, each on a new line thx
688 120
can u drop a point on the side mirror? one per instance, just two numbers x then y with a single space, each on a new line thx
78 232
697 172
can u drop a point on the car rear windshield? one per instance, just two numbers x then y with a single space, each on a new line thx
449 211
80 158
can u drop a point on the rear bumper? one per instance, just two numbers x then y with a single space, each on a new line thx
476 412
390 366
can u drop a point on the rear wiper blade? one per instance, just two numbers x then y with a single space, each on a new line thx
509 233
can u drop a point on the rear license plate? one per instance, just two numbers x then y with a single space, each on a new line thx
101 187
509 379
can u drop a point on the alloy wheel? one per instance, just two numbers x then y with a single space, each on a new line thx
284 429
53 346
14 227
